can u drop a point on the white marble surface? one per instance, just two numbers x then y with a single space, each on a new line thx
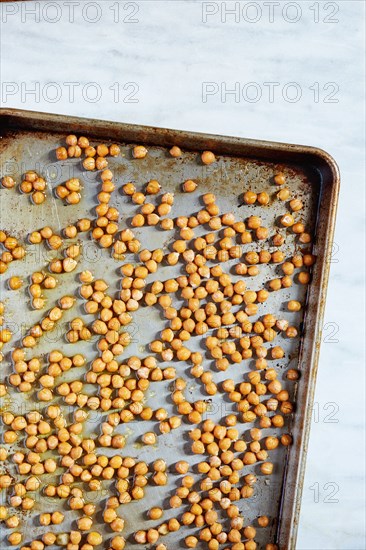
168 53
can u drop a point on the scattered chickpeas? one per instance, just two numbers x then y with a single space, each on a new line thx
207 299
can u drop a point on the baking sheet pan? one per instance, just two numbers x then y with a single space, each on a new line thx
28 141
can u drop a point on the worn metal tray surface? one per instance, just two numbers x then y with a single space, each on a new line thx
28 141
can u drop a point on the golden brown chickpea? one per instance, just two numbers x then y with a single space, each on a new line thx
89 163
277 256
287 220
62 192
303 277
263 198
152 536
15 283
293 305
94 538
139 152
138 220
3 266
298 228
286 440
114 150
102 150
57 518
283 194
250 197
129 189
208 157
266 468
84 523
189 186
8 182
288 268
263 521
71 140
140 537
275 284
15 538
149 438
26 187
254 222
296 205
83 142
175 151
3 513
191 541
109 515
69 264
262 233
38 197
138 198
155 513
49 539
73 198
61 153
118 543
280 178
291 332
305 238
153 187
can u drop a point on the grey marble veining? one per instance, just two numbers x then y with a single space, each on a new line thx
159 65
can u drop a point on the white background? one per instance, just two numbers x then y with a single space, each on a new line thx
148 63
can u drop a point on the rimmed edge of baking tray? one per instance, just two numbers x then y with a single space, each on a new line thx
324 167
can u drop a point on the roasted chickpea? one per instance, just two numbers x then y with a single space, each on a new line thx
189 186
175 151
139 152
208 157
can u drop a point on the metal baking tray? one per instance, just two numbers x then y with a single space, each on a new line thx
28 141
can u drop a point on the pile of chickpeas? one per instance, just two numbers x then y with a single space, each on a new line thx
5 337
46 451
40 281
34 185
48 322
13 250
71 191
